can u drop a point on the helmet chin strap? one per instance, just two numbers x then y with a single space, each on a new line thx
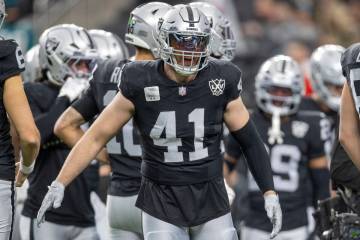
275 133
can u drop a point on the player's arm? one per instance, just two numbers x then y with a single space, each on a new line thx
68 129
349 133
23 122
320 178
101 131
243 130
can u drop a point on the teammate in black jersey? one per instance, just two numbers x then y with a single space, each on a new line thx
349 134
295 146
67 58
124 149
179 104
13 106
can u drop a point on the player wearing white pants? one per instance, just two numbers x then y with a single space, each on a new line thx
123 217
300 233
218 228
29 231
7 209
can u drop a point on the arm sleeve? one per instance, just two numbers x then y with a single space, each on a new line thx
256 155
232 147
86 105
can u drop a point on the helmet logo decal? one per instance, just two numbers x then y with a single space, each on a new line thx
217 86
51 45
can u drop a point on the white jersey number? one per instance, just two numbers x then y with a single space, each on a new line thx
166 121
113 146
285 161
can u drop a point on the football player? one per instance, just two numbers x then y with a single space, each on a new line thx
179 104
68 60
14 107
327 81
109 45
349 134
223 44
124 149
295 147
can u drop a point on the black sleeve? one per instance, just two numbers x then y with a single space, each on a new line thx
125 84
86 105
318 134
256 156
45 122
11 60
232 147
234 88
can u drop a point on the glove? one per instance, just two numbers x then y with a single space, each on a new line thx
273 210
230 192
73 87
53 198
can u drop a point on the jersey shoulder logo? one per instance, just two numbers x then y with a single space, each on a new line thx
152 93
299 129
217 86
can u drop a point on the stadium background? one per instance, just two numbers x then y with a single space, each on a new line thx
263 28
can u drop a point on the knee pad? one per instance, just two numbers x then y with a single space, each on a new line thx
162 235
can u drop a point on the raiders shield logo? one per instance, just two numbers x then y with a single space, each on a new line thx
299 129
217 86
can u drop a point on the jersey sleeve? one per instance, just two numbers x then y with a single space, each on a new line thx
234 88
350 62
11 60
86 104
317 135
125 83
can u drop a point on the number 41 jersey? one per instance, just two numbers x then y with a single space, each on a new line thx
181 125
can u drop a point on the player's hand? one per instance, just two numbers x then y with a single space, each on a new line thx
53 198
273 210
20 176
73 87
230 192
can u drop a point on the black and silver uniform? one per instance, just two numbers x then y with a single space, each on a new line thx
350 62
124 149
76 209
11 63
181 128
289 163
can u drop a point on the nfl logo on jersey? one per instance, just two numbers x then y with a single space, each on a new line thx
217 86
182 91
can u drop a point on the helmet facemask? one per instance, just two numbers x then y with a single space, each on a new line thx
186 52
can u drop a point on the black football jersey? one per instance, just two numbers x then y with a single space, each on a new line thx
180 125
76 208
124 149
328 125
289 161
11 63
350 62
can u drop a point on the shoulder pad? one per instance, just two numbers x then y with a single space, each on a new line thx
351 55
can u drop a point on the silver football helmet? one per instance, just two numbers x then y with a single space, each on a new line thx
278 86
109 45
143 23
67 50
223 44
32 71
184 38
2 12
326 74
